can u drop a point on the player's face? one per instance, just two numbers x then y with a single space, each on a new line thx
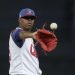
27 22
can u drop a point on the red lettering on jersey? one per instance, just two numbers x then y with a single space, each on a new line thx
33 51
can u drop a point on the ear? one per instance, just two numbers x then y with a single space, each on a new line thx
19 20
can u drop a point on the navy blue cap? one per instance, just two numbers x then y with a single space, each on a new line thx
26 12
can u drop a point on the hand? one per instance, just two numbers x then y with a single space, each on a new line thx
34 33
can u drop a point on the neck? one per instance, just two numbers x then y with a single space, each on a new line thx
28 30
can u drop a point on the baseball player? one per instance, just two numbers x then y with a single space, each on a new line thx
23 55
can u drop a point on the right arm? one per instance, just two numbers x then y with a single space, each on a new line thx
26 34
19 35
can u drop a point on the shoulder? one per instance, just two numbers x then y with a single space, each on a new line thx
15 36
17 29
15 33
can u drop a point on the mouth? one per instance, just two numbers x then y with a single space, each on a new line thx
29 24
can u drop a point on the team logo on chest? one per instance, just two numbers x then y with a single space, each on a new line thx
33 51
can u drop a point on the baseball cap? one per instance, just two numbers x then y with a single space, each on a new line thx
27 12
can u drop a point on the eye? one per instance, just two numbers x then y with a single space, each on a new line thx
29 17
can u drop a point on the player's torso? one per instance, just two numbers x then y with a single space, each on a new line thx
24 60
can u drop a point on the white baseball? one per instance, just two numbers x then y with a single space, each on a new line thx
53 26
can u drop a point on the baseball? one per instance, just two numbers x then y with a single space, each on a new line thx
53 26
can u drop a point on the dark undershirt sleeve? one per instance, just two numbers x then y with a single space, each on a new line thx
16 38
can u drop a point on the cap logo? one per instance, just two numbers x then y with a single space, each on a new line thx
30 12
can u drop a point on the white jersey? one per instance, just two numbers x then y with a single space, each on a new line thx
23 60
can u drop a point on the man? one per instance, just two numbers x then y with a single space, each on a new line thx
23 55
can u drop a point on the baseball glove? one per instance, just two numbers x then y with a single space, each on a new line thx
46 39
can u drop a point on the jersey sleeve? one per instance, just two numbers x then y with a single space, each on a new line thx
16 38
